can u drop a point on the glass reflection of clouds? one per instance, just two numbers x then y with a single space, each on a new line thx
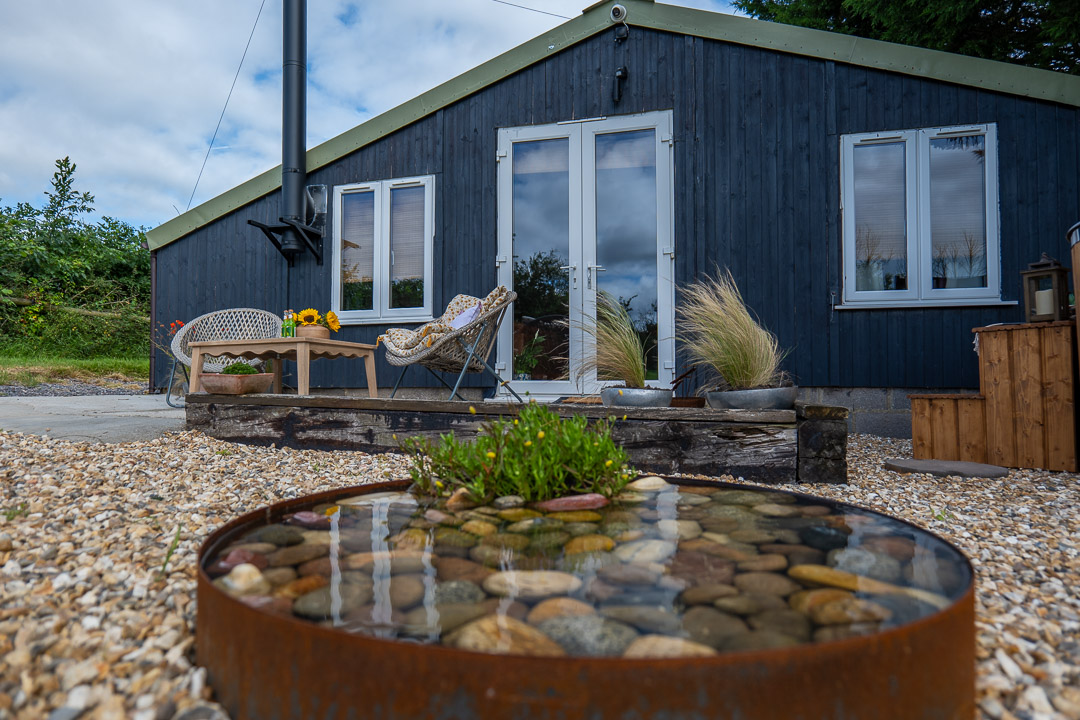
542 197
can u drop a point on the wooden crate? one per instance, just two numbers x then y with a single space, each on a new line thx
948 427
1026 377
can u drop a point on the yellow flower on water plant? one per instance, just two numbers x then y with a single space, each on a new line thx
491 455
438 484
309 317
540 435
331 511
332 320
472 410
528 443
515 421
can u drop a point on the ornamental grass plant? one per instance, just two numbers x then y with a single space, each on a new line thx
619 352
718 331
538 455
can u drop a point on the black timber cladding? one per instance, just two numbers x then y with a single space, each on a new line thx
757 190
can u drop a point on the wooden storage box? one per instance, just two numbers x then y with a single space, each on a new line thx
948 427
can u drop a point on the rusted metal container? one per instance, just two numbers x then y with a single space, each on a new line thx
271 667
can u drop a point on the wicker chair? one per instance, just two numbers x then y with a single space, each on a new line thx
438 346
231 324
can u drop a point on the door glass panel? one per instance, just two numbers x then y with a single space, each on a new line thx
880 217
357 250
541 246
958 211
626 231
407 247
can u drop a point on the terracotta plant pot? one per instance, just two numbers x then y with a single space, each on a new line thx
313 331
222 384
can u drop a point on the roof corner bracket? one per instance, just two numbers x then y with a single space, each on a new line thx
312 237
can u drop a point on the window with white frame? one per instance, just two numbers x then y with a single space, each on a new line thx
920 212
383 234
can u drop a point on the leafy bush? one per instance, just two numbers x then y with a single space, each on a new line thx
538 456
47 331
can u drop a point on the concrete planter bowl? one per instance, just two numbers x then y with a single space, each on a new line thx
636 397
223 384
781 398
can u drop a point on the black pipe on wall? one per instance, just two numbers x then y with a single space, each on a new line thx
293 121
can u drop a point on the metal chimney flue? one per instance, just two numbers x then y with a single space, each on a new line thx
292 235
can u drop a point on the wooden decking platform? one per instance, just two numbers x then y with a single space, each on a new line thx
778 446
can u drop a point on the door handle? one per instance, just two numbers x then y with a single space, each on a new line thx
589 274
573 276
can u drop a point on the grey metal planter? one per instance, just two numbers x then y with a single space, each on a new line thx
781 398
635 397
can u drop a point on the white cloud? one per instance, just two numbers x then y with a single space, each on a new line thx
132 91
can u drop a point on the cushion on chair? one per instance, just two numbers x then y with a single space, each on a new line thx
465 317
461 311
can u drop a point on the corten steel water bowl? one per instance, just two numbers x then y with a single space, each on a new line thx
266 666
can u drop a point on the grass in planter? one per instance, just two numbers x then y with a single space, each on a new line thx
539 456
619 350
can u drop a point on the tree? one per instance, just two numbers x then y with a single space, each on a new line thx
1037 33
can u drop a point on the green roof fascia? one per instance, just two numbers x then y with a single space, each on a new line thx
932 64
488 73
920 62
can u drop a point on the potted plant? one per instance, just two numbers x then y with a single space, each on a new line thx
619 354
236 379
525 360
719 332
312 324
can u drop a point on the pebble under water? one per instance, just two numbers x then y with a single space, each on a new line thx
663 570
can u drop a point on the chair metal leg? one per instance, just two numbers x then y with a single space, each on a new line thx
399 378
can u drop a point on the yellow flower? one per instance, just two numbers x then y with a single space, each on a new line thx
472 410
438 484
309 317
608 463
540 435
331 511
515 422
491 455
620 392
528 443
624 418
332 321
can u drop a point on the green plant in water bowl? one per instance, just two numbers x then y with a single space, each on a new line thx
538 455
239 368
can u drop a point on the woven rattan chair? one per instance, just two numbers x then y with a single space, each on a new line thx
231 324
438 346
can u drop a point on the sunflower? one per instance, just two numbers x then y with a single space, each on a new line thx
331 319
309 317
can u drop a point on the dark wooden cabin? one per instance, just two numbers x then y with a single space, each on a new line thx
874 202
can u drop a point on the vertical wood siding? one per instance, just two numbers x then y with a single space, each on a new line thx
757 189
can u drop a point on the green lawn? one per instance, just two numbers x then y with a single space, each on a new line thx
20 370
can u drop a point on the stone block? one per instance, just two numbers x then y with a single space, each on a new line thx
823 439
823 470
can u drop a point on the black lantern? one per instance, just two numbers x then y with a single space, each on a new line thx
1046 294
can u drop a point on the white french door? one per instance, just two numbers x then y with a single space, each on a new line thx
584 207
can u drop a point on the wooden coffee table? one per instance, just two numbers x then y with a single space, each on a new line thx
301 350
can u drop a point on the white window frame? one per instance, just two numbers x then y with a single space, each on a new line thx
381 310
920 291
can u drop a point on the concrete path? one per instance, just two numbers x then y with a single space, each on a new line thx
91 418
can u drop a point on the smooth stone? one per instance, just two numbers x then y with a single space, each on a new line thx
406 591
690 499
543 560
661 646
626 517
244 579
711 627
823 575
460 499
815 510
679 529
279 535
355 540
492 556
631 574
712 524
502 541
629 536
846 611
455 592
765 583
318 566
935 573
588 501
759 640
504 636
630 497
776 510
548 540
589 543
586 563
645 618
532 525
276 605
784 621
318 604
262 548
764 563
804 600
781 498
558 607
650 483
823 537
310 520
576 516
369 617
531 584
581 528
281 575
589 635
645 551
481 528
445 536
514 515
301 586
749 604
224 564
709 546
752 536
411 539
699 568
445 619
788 537
390 497
451 568
400 562
843 632
740 497
898 548
506 502
708 594
865 562
505 607
440 518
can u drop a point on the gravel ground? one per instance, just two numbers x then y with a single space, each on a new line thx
70 388
90 626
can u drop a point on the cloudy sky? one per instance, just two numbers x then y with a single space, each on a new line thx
132 91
